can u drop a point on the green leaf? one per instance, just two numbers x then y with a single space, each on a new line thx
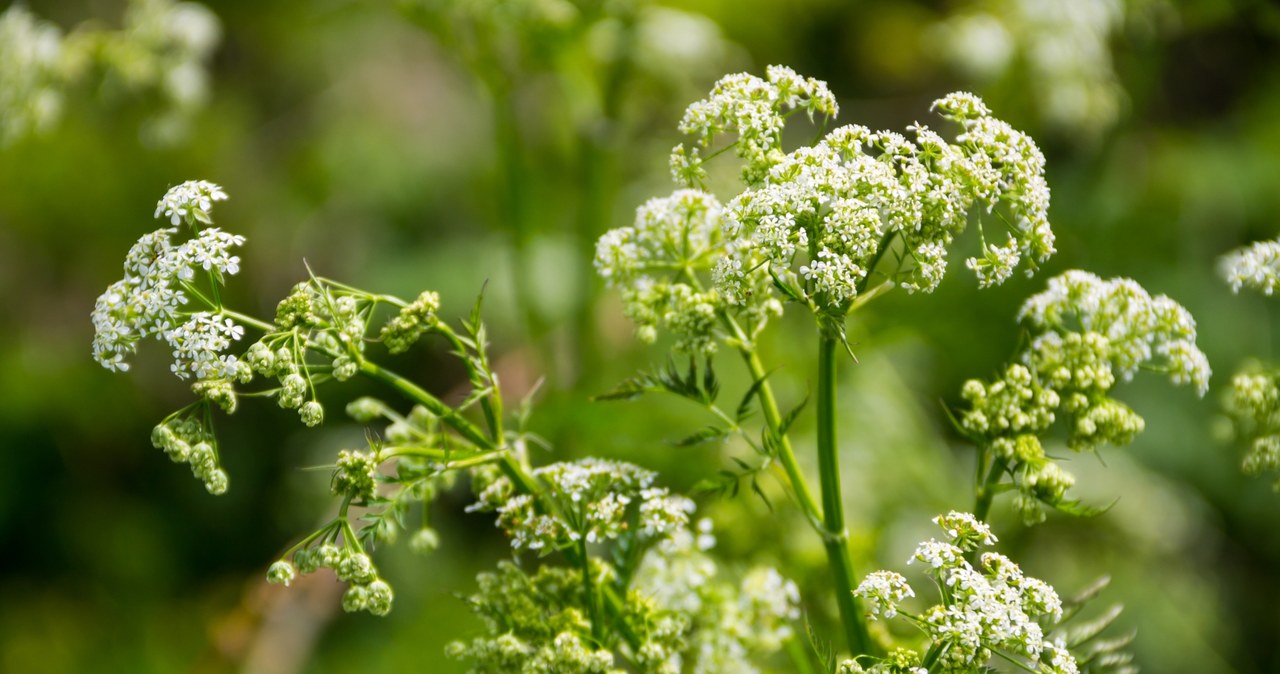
1080 634
710 385
784 287
823 649
630 389
755 487
1078 509
791 417
474 326
706 434
744 407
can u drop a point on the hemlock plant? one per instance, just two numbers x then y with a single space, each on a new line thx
610 570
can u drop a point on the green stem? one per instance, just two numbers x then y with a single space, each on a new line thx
935 652
247 320
589 587
769 405
987 491
433 404
835 536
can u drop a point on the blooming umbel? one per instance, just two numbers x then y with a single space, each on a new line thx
1087 334
160 278
986 610
596 500
820 224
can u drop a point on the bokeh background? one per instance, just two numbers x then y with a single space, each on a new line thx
445 143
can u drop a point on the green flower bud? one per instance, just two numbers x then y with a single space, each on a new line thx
344 368
379 598
355 567
216 483
355 599
281 573
312 413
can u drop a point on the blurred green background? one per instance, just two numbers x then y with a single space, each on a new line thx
436 144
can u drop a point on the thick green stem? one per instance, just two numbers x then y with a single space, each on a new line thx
835 535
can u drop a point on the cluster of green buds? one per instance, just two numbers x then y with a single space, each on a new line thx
1253 403
1086 335
366 591
186 437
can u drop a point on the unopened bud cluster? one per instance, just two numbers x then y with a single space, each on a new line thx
1253 403
186 440
1088 334
366 591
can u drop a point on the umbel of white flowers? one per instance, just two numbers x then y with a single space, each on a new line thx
160 278
821 223
990 609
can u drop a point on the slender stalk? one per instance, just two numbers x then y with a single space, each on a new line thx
769 405
835 535
589 586
433 404
247 320
986 491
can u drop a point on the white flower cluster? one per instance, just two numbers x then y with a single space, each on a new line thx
148 302
993 608
596 501
815 223
682 616
830 208
1121 328
30 74
655 263
899 661
190 202
1256 266
754 109
535 623
729 625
